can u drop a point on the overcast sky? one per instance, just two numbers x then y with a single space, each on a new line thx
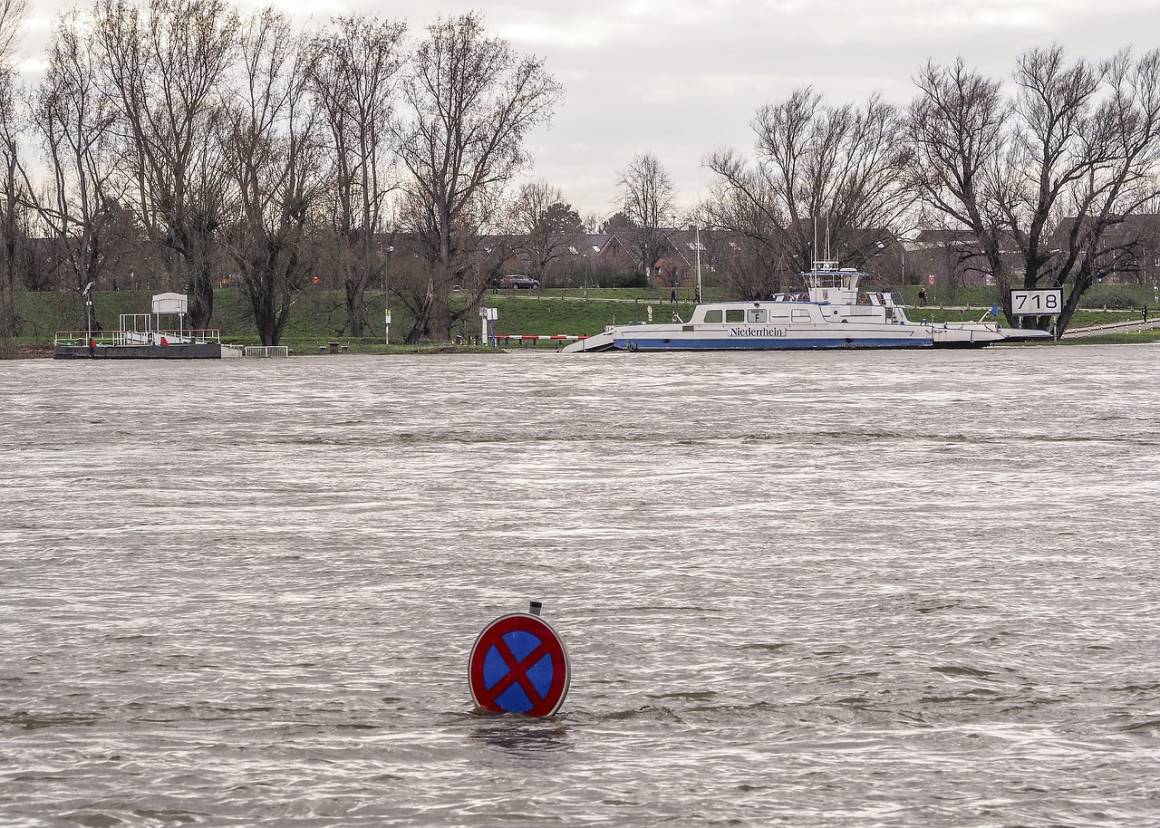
681 79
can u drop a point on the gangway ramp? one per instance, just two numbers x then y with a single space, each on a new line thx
597 342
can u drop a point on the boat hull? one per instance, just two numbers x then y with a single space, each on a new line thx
755 344
198 350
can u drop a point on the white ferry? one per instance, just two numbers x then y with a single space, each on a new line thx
830 314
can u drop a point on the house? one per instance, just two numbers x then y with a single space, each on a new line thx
1131 248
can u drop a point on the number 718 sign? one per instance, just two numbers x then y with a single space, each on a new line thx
1044 302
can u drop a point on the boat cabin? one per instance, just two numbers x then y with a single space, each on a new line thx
831 296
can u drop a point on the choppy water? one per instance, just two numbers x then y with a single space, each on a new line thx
807 589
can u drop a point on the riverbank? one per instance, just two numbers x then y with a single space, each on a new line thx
317 320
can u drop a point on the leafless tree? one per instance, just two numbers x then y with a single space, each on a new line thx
164 62
1046 174
824 176
274 166
470 100
648 195
749 249
12 192
74 120
546 226
354 69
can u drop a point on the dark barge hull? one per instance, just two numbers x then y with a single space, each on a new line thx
204 350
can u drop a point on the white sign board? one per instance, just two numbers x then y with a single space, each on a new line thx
1043 302
490 314
175 303
387 316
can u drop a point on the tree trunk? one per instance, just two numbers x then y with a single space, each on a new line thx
9 322
200 296
422 326
356 289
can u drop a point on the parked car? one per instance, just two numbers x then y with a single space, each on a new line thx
518 282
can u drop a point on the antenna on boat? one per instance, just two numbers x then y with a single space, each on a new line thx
698 262
828 237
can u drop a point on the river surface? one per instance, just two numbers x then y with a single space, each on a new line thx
850 589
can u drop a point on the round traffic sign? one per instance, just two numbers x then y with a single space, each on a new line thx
519 665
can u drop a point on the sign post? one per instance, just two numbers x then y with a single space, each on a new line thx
487 318
1037 302
518 664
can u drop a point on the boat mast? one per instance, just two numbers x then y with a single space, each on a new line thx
698 262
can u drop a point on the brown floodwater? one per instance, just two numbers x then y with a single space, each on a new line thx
899 588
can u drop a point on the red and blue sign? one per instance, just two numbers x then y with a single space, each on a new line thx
519 665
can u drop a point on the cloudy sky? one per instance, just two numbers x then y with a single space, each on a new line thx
681 79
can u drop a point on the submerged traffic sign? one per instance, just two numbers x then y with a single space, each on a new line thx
519 665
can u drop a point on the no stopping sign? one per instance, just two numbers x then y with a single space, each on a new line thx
518 664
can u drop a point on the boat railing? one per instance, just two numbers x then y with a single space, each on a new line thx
67 338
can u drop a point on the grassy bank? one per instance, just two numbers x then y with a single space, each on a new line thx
1122 338
1099 297
318 318
1081 319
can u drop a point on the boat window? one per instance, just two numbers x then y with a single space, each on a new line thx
735 315
713 316
779 313
756 315
801 315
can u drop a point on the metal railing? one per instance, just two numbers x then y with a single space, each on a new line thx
267 351
120 338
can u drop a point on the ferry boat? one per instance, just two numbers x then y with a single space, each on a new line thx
831 313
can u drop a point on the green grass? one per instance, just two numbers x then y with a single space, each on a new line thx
1105 295
1123 338
1081 319
653 294
527 315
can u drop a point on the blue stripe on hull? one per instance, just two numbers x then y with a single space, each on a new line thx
742 344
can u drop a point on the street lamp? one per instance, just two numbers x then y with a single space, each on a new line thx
87 293
386 249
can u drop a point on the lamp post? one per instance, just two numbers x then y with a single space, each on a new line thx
386 249
87 293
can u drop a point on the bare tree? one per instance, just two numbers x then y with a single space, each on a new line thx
546 226
1046 174
353 75
12 191
471 100
750 249
74 119
648 195
825 179
274 166
163 63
